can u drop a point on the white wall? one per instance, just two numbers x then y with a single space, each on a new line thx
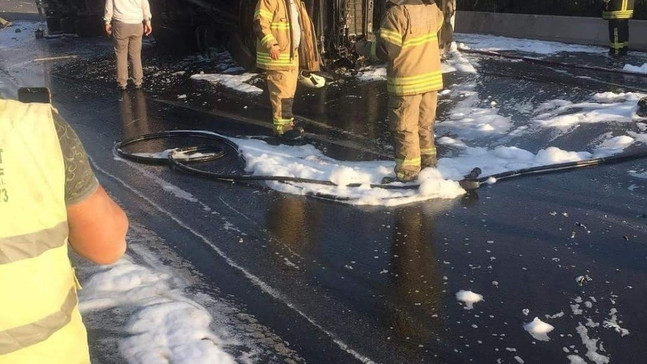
568 29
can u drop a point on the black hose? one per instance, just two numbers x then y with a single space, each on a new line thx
217 151
472 181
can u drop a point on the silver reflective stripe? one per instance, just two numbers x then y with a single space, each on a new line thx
27 246
23 336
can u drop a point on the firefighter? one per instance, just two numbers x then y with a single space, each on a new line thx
49 197
618 13
408 41
286 42
446 33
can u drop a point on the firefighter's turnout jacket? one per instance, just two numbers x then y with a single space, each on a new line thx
272 24
618 9
39 320
410 48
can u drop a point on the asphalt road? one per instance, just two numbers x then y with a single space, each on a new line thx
331 283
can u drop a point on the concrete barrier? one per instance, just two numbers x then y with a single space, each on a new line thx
567 29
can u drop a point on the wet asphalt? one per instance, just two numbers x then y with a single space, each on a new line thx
334 283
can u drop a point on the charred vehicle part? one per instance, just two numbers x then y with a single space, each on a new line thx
199 25
81 17
202 24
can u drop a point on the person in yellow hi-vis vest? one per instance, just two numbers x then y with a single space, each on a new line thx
408 41
618 13
286 42
49 197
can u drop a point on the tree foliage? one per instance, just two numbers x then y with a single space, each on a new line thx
591 8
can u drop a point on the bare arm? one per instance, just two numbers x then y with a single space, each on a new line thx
98 228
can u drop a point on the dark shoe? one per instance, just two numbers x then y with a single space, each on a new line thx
642 108
391 179
388 180
138 86
293 133
122 88
430 162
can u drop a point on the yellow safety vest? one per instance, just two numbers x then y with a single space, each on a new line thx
39 318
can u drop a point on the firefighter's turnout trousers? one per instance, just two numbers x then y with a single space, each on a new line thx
273 24
618 13
282 85
411 120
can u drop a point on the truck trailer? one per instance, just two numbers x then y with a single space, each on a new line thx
197 25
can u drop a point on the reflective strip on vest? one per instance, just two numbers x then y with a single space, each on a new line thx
24 336
21 247
415 84
36 278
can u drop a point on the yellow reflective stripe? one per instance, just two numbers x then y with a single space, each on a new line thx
620 14
263 14
267 39
391 36
413 162
28 246
415 84
280 25
284 56
265 59
411 90
428 151
420 40
411 79
624 5
32 333
278 122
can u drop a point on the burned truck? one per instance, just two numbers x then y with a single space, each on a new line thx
197 25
